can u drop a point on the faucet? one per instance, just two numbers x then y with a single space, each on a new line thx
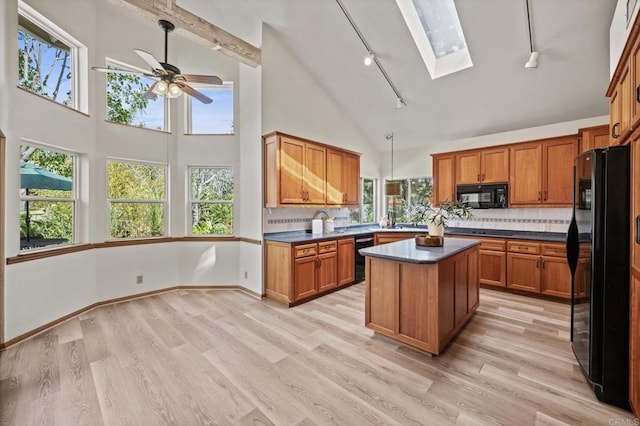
319 212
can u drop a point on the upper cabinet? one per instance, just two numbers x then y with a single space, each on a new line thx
300 172
482 166
343 178
542 172
620 107
444 184
594 137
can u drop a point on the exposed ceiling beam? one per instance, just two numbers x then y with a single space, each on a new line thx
195 28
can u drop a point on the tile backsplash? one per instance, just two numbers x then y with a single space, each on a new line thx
525 219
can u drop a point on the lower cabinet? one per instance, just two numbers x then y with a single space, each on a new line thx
392 237
493 263
298 272
542 268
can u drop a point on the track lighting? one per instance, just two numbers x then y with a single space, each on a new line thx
533 61
368 60
400 103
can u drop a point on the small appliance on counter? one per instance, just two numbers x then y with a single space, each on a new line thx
483 196
316 226
328 225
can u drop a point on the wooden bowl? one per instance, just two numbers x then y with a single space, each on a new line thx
429 241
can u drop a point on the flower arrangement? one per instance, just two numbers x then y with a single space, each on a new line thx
438 216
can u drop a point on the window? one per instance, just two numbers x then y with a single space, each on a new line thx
49 59
211 200
366 212
137 199
437 32
125 101
215 118
412 192
47 197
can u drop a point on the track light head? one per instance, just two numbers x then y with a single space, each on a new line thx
533 60
368 60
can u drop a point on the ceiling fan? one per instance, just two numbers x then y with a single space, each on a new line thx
169 81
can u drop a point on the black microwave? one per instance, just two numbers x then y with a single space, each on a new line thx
483 196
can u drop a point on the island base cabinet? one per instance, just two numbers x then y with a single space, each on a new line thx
422 305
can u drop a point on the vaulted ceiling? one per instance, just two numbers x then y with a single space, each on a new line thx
497 94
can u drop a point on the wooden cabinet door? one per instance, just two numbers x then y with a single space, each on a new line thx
624 92
351 179
614 116
468 168
594 137
525 174
493 268
335 177
557 180
346 261
327 271
523 272
444 185
634 343
292 171
305 277
495 165
315 161
634 62
555 277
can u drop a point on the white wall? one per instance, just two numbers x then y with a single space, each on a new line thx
619 32
38 292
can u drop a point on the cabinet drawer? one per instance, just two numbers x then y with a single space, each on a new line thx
327 246
558 250
492 244
305 250
523 247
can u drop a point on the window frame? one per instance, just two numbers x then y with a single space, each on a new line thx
164 202
166 128
375 202
191 201
78 52
73 199
188 117
408 195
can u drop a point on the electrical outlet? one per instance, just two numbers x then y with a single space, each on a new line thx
246 275
138 279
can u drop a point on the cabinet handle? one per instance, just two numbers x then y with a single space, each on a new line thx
638 230
542 263
538 263
544 196
539 195
478 177
613 131
638 93
344 196
483 177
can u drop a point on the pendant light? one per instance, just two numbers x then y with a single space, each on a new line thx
533 59
392 189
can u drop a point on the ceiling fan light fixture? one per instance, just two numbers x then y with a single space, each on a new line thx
161 88
174 91
368 60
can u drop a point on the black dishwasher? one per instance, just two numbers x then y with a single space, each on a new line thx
362 241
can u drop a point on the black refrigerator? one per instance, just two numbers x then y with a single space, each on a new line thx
599 231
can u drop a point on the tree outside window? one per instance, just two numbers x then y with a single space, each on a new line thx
212 192
125 101
365 213
137 199
44 63
414 191
47 197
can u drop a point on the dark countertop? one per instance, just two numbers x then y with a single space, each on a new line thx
303 236
408 251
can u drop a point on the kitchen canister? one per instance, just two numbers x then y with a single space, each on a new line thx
328 225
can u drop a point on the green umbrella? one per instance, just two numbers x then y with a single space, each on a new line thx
34 176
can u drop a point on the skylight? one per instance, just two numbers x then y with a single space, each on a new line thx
437 32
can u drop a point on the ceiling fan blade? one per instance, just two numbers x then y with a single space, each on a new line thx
203 79
117 71
150 60
149 93
193 92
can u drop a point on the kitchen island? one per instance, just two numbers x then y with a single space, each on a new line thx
421 296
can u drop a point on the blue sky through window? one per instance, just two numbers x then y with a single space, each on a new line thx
216 117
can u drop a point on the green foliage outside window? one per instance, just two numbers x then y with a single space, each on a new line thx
366 211
415 191
212 192
137 195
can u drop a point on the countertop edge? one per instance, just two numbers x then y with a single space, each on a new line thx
470 244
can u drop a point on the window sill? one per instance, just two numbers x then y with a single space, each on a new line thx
138 127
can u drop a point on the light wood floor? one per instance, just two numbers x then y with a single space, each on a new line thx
223 357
